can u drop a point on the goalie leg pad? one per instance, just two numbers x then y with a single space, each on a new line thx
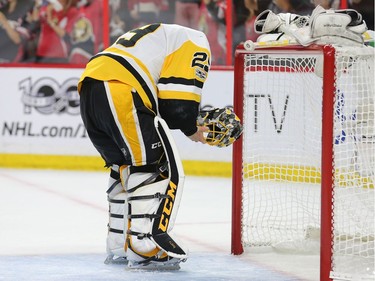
169 206
143 205
117 225
153 207
143 212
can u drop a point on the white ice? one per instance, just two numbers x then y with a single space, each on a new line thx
53 227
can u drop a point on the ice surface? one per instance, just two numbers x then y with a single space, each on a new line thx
53 227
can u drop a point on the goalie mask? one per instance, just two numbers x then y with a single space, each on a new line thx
224 126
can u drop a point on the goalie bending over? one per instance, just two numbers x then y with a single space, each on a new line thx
150 74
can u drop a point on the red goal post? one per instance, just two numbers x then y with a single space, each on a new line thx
303 170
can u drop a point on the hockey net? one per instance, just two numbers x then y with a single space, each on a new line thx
303 170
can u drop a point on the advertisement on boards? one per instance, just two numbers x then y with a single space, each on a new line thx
40 114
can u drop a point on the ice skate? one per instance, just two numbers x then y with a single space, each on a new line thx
112 259
151 264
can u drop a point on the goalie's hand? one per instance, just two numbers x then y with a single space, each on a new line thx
198 136
224 126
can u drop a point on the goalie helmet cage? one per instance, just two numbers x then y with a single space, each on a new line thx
303 170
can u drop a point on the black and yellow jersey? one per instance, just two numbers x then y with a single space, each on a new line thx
165 64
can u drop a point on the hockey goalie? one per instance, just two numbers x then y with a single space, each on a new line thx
148 82
144 215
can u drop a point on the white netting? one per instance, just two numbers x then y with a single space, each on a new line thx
354 152
282 149
282 155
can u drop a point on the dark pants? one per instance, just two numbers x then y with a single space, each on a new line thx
118 123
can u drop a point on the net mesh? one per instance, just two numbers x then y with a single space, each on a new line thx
354 151
282 155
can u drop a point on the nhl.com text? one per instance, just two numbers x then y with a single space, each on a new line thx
29 129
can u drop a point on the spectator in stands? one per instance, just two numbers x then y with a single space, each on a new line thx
12 33
87 34
167 13
82 41
118 20
326 4
32 24
299 7
213 31
57 19
255 7
366 8
187 13
94 12
10 40
144 12
217 8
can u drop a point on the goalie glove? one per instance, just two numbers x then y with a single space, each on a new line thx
343 27
224 126
269 22
337 26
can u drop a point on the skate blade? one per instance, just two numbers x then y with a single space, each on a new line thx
154 266
119 260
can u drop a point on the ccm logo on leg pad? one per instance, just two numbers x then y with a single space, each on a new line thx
167 208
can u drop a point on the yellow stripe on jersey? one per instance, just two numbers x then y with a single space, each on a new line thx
180 95
184 73
121 52
183 62
126 114
109 68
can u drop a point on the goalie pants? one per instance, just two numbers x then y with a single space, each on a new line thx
118 123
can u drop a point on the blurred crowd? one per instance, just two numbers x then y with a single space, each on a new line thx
71 31
53 31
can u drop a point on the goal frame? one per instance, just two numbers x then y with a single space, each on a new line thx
327 173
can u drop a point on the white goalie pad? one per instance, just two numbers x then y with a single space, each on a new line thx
153 207
168 208
143 208
117 225
144 203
